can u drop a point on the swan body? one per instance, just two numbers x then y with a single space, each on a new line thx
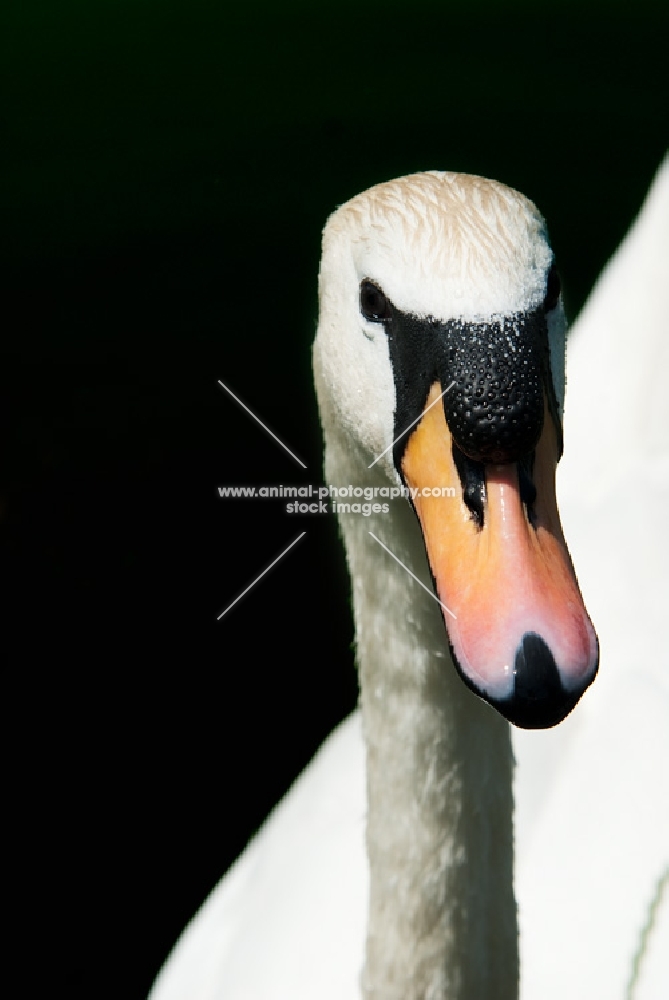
323 903
592 798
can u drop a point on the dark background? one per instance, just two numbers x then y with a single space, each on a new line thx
167 169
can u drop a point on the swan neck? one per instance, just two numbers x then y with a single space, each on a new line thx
442 915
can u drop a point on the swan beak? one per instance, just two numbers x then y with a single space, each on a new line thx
521 637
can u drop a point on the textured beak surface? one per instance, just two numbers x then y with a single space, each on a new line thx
521 636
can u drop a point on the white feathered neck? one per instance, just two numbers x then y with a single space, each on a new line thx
442 916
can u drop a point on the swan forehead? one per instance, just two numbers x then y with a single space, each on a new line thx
445 245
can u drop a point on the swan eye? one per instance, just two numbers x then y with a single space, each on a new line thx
553 289
374 306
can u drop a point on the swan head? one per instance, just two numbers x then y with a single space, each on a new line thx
441 349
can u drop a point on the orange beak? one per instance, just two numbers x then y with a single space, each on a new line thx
520 634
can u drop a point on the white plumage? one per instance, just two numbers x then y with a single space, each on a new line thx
288 921
592 795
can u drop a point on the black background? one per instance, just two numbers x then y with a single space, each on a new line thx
168 167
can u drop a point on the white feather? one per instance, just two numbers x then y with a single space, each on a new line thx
288 921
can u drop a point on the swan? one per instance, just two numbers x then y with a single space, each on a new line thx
387 871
